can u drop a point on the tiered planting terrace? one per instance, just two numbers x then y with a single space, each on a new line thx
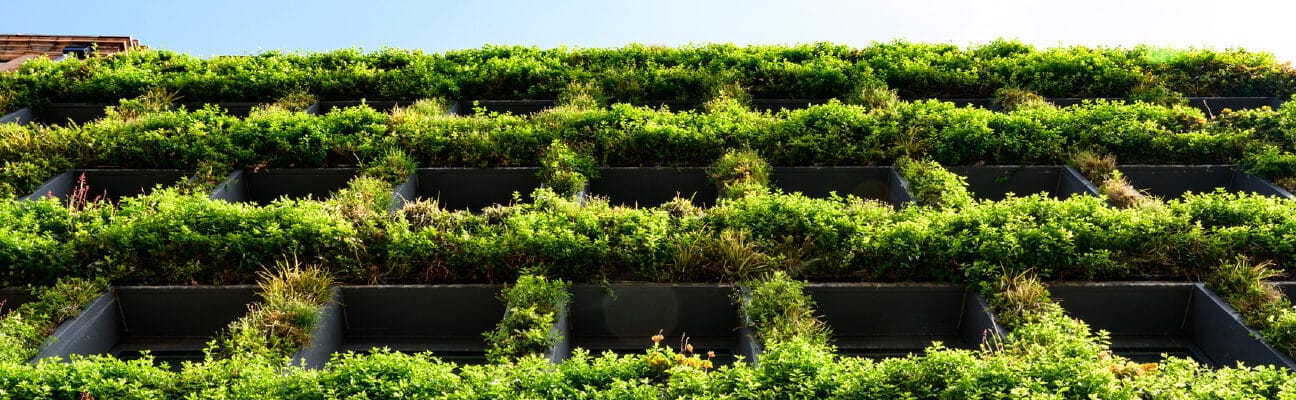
897 221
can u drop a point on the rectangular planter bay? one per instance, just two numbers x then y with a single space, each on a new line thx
871 183
324 107
63 113
894 320
623 318
108 184
448 320
472 188
267 186
1173 181
173 323
652 186
775 105
1212 106
995 182
239 109
12 298
1147 319
517 107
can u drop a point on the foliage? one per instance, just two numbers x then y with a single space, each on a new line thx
534 306
934 186
1242 284
24 328
565 169
780 310
292 300
740 173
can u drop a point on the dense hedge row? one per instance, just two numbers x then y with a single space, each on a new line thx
831 134
645 74
175 238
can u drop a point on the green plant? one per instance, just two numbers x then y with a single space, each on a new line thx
392 166
1120 192
296 101
534 304
740 173
24 328
1013 99
932 185
1019 299
875 95
581 95
292 298
780 310
1152 91
566 170
1243 285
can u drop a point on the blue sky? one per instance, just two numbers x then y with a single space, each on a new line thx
209 27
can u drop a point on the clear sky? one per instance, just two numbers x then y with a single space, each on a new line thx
214 27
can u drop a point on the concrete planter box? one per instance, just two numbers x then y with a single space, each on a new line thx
448 320
1172 181
652 186
873 183
894 320
995 182
109 184
1146 319
267 186
471 188
174 323
622 318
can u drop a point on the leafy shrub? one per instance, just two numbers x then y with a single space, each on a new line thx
739 173
566 170
534 306
24 328
780 310
933 185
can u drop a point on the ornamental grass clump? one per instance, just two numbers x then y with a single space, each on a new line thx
293 296
1243 284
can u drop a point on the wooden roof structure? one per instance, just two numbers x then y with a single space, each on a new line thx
16 49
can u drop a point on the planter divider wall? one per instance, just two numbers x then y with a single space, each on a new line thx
1172 181
327 337
22 116
995 182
